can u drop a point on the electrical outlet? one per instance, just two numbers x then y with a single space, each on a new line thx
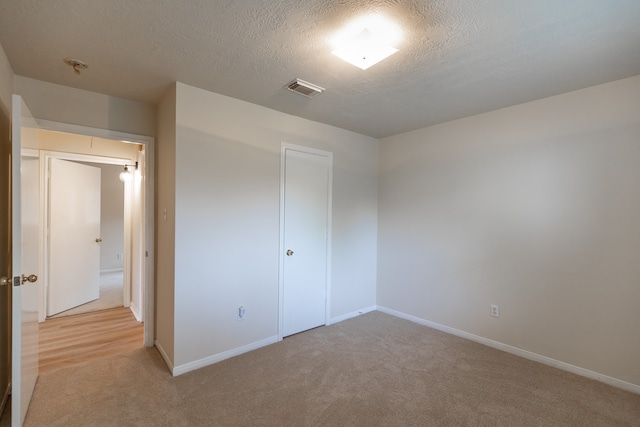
241 312
119 256
495 310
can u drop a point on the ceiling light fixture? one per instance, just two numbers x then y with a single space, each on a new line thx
367 41
76 64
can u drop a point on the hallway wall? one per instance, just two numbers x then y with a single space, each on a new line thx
111 217
64 104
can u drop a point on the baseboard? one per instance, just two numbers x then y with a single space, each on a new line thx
615 382
112 270
164 355
136 312
351 315
197 364
192 366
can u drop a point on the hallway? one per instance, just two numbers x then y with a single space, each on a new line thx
69 340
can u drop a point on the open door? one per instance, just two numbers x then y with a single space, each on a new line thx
74 235
25 293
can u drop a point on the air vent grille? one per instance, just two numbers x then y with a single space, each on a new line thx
304 88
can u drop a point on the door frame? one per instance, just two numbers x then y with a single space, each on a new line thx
147 170
45 171
281 257
35 154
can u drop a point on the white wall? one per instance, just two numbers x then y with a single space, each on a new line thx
227 186
64 104
535 208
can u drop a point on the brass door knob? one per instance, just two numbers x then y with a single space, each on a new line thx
32 278
98 240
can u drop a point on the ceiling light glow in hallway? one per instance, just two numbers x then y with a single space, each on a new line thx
367 41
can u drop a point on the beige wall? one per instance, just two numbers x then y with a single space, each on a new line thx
535 208
165 224
111 217
91 146
227 187
112 202
64 104
6 82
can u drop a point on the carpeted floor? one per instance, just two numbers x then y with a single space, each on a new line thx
111 286
373 370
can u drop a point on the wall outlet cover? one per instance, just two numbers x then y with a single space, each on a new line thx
495 310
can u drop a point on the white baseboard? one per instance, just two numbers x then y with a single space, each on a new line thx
197 364
615 382
192 366
351 315
164 355
136 312
112 270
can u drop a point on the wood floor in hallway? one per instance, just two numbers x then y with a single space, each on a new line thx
69 340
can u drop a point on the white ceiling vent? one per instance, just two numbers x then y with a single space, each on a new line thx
304 88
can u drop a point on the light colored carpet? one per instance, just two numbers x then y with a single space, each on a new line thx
111 288
373 370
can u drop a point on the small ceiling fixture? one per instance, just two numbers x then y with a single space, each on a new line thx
125 175
76 64
305 88
366 41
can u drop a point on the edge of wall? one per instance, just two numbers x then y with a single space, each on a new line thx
210 360
164 355
633 388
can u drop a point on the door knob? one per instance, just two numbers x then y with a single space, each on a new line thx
32 278
5 281
98 240
289 252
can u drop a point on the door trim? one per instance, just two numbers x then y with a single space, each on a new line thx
329 155
148 172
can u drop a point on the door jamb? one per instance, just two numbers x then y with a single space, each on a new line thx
148 173
329 155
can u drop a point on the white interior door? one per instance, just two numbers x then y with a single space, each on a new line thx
25 301
74 235
306 212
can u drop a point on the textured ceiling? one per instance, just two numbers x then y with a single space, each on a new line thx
457 58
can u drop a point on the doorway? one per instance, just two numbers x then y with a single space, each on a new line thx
305 240
86 222
110 149
73 232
